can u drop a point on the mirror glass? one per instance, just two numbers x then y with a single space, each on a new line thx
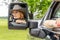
18 16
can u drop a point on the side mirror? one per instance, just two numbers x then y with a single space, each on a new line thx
37 33
18 20
33 24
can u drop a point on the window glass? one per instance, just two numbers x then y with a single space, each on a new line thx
58 13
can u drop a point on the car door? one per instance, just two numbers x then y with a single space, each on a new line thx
52 13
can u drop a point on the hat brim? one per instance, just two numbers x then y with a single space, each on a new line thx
17 10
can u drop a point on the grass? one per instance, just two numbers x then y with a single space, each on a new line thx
7 34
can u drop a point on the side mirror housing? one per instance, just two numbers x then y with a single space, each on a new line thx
37 33
11 20
33 24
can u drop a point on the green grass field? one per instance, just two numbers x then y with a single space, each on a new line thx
7 34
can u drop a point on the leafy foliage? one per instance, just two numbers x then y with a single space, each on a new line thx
39 6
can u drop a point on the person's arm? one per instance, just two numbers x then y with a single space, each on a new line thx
49 23
20 21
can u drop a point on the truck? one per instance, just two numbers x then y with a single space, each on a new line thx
36 27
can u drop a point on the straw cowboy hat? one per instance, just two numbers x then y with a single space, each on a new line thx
17 7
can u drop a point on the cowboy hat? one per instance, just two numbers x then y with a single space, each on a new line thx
17 7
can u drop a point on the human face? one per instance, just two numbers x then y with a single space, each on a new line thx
17 14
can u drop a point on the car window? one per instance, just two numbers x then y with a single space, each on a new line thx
58 13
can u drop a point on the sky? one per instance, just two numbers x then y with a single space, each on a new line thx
4 8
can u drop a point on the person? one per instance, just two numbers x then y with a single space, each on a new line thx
54 25
18 14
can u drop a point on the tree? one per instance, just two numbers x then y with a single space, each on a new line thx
39 6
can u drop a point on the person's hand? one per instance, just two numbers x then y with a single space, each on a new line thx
20 21
58 22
